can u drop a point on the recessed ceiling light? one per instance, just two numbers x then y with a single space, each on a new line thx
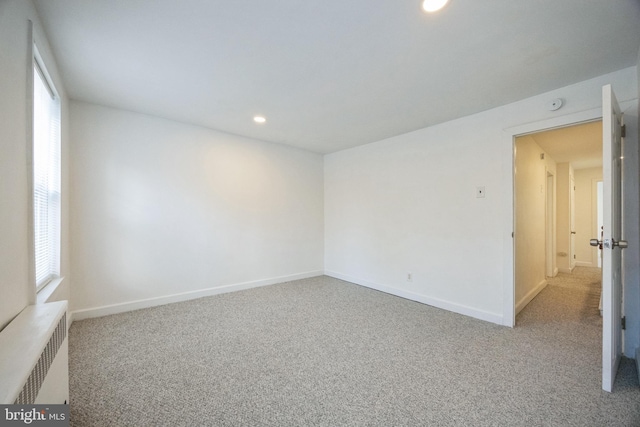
259 119
433 5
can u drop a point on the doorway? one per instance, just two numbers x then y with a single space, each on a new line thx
555 205
612 148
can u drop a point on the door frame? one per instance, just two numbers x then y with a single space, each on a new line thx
572 219
550 229
510 135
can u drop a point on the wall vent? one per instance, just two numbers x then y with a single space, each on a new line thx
36 378
34 358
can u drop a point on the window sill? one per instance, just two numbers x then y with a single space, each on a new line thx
48 290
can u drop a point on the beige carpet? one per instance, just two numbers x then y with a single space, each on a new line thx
567 298
323 352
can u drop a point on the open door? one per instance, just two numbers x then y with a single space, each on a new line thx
612 241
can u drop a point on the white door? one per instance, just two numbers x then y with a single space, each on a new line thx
613 242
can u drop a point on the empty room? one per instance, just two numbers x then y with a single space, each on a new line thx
333 213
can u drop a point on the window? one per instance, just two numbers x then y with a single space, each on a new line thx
46 175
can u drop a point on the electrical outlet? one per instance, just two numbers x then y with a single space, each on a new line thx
409 277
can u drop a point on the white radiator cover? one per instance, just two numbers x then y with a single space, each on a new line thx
34 356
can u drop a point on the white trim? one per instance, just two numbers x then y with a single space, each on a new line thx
32 297
549 221
508 234
566 270
584 264
39 63
556 122
530 295
123 307
48 290
435 302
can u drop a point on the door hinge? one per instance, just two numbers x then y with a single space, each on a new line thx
623 131
624 322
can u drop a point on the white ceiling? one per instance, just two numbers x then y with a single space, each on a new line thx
580 145
331 74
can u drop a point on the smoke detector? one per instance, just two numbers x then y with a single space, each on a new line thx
554 104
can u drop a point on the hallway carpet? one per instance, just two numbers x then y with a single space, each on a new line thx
324 352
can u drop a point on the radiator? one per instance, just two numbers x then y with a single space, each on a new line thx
34 359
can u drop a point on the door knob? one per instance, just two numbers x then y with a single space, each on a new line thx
622 244
573 232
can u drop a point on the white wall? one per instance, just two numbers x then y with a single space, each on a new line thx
16 289
587 215
531 221
163 211
407 204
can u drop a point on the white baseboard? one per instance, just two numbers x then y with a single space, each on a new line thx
555 272
584 264
435 302
184 296
566 270
530 295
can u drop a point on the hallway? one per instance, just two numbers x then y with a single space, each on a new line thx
574 297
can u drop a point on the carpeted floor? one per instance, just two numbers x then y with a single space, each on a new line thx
323 352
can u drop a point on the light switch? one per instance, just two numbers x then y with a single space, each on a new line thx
480 192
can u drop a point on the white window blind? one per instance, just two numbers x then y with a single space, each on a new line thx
46 177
